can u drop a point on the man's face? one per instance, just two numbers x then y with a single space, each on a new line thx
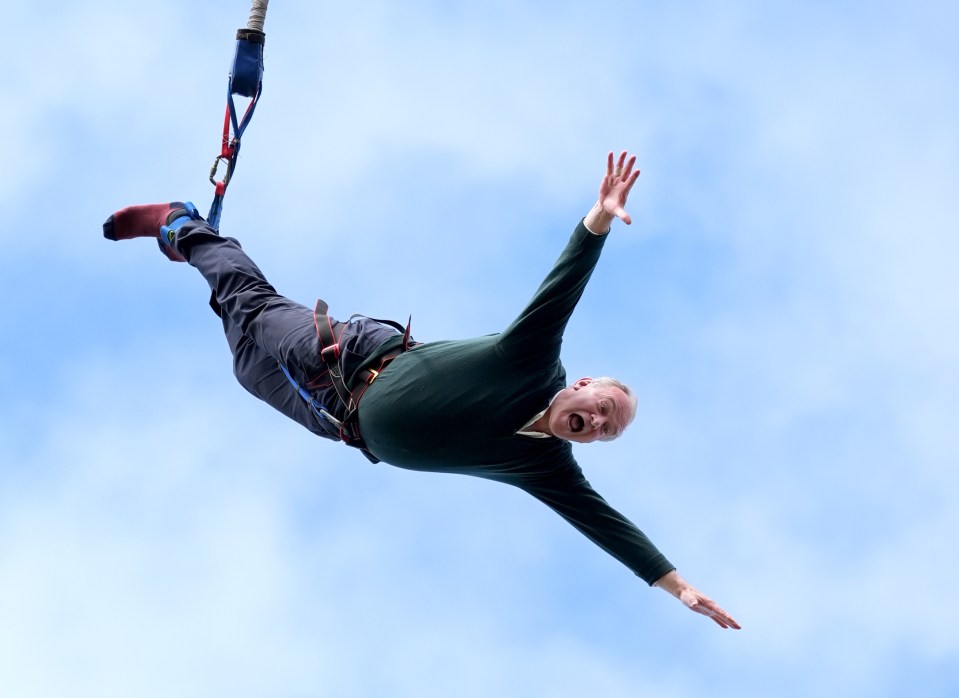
586 412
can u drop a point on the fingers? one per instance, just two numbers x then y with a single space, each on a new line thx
724 621
619 164
696 601
708 607
623 169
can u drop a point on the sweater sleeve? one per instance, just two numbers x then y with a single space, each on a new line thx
569 494
537 333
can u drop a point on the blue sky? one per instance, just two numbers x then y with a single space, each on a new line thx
785 305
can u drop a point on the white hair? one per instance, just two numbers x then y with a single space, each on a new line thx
607 382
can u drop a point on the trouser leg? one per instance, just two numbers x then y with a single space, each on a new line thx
264 328
260 374
281 328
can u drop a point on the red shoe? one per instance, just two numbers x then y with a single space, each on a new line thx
160 221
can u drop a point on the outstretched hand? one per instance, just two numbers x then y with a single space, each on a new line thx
695 600
613 192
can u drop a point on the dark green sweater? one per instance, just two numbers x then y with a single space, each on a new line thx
455 407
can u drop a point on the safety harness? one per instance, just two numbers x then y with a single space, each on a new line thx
348 391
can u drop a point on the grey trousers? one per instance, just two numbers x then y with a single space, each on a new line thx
265 329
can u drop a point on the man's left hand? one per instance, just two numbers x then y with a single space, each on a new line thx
613 192
695 600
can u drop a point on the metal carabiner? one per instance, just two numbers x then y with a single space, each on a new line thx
216 166
330 418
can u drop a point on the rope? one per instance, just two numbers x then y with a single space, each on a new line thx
257 15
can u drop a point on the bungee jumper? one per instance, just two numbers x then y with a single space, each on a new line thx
496 407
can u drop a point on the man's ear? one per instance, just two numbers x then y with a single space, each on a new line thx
582 383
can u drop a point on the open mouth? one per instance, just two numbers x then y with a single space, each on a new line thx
576 423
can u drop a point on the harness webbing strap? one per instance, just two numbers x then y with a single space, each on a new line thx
330 353
318 408
348 396
246 80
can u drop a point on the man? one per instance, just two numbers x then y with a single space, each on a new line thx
495 407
